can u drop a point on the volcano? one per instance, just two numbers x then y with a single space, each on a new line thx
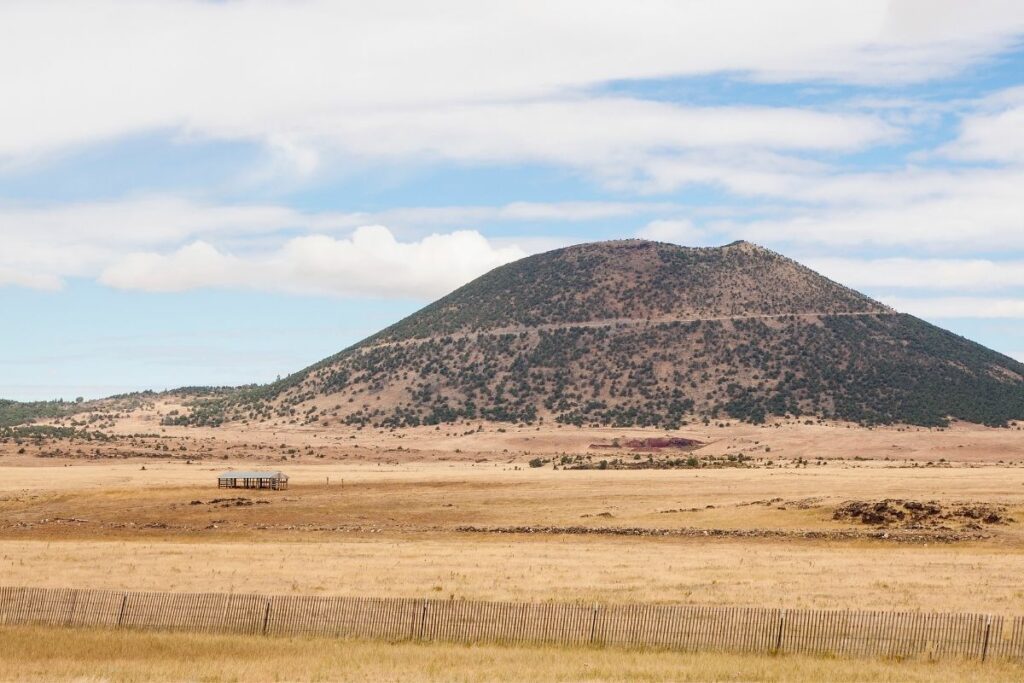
638 333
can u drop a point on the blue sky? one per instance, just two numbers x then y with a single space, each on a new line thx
219 193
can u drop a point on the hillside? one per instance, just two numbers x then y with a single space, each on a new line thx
631 280
637 333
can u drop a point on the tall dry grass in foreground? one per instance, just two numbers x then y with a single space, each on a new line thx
734 572
49 654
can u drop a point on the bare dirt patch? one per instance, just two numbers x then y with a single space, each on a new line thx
653 444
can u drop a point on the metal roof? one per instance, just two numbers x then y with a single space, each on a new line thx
241 474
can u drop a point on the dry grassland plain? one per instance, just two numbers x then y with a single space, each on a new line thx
38 654
45 654
387 514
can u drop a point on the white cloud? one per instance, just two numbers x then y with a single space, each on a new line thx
969 209
975 210
593 132
161 220
958 307
680 231
196 265
44 281
146 221
44 245
294 73
370 263
994 131
952 274
448 216
745 172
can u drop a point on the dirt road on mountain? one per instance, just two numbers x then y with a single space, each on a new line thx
618 322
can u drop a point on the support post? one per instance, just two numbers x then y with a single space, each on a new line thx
71 610
224 613
593 624
778 632
984 644
423 618
120 616
266 617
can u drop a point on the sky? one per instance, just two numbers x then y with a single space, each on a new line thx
220 193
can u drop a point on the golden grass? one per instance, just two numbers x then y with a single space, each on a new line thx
408 546
723 572
50 654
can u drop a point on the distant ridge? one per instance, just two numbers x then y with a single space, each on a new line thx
640 333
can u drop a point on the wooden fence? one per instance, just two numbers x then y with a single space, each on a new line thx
681 627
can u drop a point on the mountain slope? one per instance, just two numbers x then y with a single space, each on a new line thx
632 279
641 333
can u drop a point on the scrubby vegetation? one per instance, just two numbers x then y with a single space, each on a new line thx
875 369
41 432
632 279
17 412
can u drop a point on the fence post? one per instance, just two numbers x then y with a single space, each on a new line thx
423 618
984 643
124 604
778 633
71 610
224 613
593 624
266 617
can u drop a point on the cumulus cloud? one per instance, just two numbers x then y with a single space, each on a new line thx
44 281
679 231
372 262
44 245
994 131
158 220
958 307
964 209
297 72
952 274
195 240
975 210
196 265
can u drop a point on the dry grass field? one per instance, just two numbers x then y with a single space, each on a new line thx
721 572
461 514
39 654
371 519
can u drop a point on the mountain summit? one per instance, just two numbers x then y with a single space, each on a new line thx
632 281
639 333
